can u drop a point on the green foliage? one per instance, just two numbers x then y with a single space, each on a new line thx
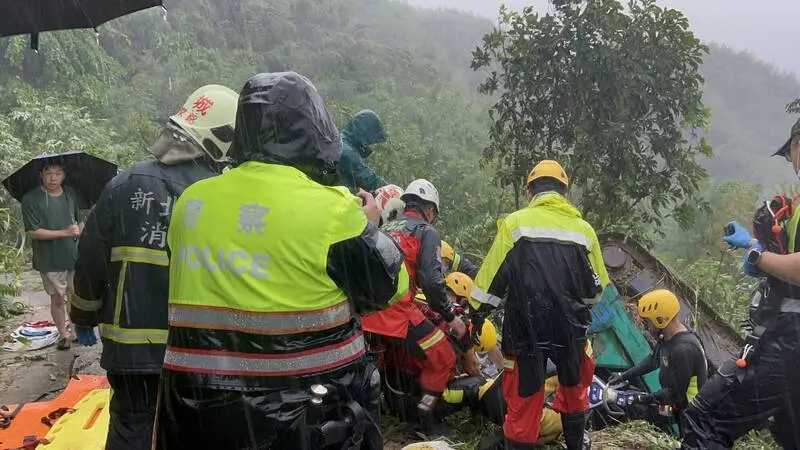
609 91
793 107
702 259
722 282
727 201
111 94
11 264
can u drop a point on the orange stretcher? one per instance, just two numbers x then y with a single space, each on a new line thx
26 426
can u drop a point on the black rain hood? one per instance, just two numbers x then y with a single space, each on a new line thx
282 119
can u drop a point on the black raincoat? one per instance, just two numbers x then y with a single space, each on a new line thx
282 120
737 400
122 280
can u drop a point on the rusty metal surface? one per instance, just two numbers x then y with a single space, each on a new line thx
634 271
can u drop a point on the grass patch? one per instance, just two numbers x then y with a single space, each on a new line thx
636 435
10 309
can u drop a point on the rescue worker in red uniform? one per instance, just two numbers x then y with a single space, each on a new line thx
547 264
403 323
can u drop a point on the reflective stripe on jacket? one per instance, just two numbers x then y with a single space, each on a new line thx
548 217
263 286
122 276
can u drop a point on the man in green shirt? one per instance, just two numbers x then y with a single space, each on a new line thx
50 214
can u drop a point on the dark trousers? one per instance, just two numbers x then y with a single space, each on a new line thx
132 409
737 400
193 417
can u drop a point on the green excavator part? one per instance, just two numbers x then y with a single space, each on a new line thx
617 341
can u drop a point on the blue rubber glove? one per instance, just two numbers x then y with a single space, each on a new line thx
741 238
750 269
86 336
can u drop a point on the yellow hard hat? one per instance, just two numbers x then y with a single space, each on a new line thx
548 168
459 283
659 307
209 118
488 337
448 252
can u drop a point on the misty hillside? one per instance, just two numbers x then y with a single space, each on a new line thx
748 117
747 98
407 63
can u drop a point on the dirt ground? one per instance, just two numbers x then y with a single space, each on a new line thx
25 376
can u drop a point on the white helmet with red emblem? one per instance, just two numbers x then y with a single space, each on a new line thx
209 118
388 200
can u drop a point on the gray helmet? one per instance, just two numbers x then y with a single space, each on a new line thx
282 119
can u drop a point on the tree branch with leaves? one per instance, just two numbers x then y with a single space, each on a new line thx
611 92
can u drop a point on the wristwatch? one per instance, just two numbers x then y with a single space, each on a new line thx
753 257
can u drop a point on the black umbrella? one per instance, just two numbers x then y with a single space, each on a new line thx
85 173
35 16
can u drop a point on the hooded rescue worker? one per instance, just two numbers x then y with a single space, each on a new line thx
765 381
264 344
453 262
121 276
361 132
679 356
547 265
403 323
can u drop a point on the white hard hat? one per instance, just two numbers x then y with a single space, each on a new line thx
393 209
423 189
209 117
384 193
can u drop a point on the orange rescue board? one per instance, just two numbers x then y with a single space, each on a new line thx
28 421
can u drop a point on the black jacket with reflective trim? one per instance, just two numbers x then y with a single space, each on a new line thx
122 272
545 284
466 267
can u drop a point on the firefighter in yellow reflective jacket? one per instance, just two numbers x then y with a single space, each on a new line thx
547 265
122 275
270 268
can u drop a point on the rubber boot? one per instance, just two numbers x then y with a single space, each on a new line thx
587 441
494 441
511 445
574 425
371 387
429 424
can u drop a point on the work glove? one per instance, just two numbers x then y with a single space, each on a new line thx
85 335
641 399
477 328
741 238
616 378
750 269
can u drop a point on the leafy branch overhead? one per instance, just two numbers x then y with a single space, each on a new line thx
614 93
793 107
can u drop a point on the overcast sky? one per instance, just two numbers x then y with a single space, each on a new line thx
763 27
